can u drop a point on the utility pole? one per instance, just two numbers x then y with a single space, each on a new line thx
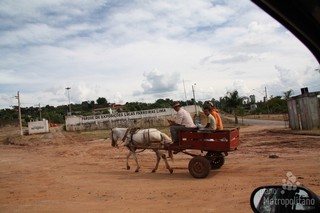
194 97
265 89
68 88
196 118
39 112
185 94
19 110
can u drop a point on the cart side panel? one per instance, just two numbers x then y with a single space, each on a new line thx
191 139
235 139
223 140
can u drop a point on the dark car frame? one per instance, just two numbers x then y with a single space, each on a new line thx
301 17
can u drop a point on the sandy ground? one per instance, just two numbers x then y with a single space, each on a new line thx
65 172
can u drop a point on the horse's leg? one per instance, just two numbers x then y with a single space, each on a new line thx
128 155
164 157
158 160
136 159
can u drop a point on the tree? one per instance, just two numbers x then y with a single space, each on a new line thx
85 106
241 111
102 101
216 103
278 105
163 103
232 101
8 116
53 117
288 94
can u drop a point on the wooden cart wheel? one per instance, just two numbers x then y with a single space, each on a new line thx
199 167
217 162
216 159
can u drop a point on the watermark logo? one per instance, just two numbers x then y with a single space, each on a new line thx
290 183
288 196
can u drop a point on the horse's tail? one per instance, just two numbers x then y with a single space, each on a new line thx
167 140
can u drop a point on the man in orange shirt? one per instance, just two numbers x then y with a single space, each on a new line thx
216 116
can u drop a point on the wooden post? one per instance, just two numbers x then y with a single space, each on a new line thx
19 110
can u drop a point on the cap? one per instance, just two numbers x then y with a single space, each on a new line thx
175 104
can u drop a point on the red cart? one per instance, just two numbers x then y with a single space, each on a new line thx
215 144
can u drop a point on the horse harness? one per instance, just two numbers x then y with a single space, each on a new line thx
132 132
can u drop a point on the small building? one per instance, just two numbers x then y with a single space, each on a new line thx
304 110
253 107
113 108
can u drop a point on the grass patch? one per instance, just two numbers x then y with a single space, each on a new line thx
91 135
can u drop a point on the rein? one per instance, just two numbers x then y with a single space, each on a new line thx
125 135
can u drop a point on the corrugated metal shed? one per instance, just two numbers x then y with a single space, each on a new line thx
304 110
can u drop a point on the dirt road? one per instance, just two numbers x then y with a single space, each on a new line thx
65 172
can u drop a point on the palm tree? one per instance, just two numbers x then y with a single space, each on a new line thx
233 101
288 94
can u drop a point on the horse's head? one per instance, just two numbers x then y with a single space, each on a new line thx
113 139
118 133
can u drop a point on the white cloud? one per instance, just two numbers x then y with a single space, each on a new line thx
108 49
159 83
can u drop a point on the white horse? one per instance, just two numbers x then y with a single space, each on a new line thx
135 139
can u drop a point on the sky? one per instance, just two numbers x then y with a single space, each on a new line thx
144 50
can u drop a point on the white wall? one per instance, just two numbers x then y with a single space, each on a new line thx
104 121
38 127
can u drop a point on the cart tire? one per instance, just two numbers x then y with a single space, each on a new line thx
217 163
199 167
